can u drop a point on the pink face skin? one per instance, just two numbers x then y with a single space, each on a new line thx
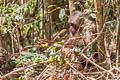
72 30
76 20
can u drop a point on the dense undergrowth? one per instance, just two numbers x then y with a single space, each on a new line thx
28 55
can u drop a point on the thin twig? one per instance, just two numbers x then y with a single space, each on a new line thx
43 72
100 76
82 53
94 39
78 72
107 53
90 73
118 69
107 76
93 63
20 69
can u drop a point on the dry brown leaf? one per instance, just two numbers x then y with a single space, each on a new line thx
53 78
66 76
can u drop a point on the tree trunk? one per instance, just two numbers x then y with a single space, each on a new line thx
51 17
99 23
118 36
46 21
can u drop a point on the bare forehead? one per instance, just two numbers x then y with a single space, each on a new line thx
77 13
75 16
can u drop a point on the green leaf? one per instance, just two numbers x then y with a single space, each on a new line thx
0 10
33 1
20 78
4 20
25 31
87 11
93 15
60 42
51 6
51 59
9 10
89 3
111 23
61 62
88 51
26 54
33 49
77 2
62 14
37 60
1 28
107 11
53 48
44 45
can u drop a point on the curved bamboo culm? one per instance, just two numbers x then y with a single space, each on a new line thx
71 6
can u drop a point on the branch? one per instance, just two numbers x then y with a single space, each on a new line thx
82 53
20 69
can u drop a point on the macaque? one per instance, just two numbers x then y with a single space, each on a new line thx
78 26
81 31
76 20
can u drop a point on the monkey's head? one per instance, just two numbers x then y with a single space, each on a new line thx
76 20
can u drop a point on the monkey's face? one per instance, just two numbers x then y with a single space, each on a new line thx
76 20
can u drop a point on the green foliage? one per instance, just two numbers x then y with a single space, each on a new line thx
93 15
77 2
62 14
50 6
60 42
89 4
55 54
89 9
26 29
88 51
16 16
107 11
20 78
29 57
58 57
29 21
111 24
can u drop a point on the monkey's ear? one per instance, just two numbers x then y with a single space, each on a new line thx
84 16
